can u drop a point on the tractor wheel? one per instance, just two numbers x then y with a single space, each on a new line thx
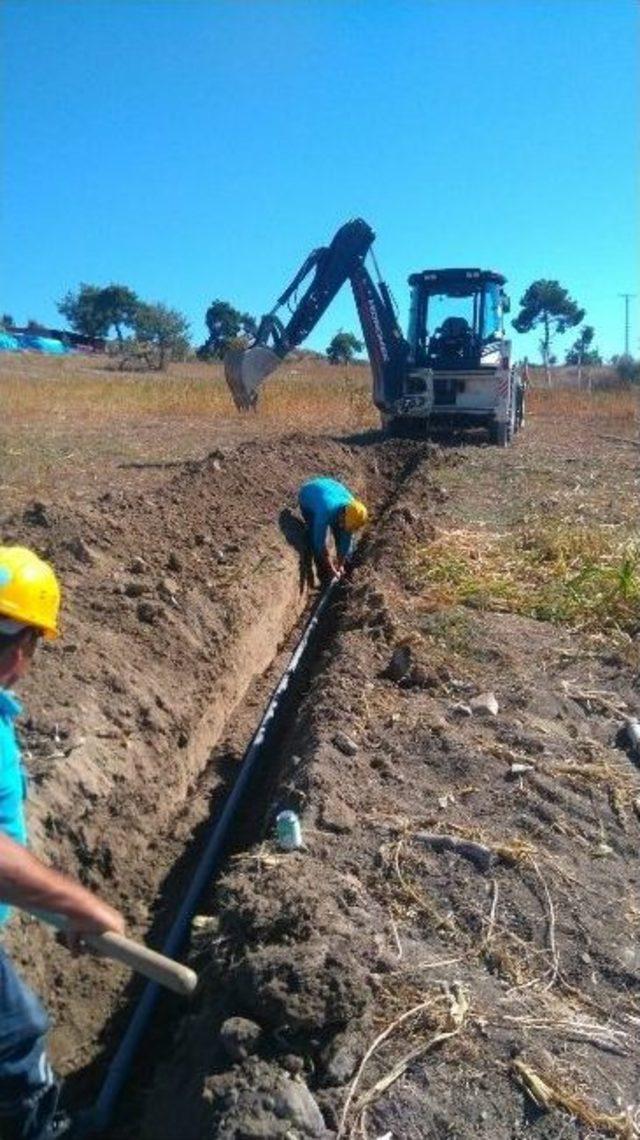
500 435
520 411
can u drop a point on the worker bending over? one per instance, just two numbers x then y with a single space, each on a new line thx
29 604
327 505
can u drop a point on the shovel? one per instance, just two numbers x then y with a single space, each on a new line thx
138 957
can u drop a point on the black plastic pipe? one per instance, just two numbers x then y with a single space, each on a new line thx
98 1118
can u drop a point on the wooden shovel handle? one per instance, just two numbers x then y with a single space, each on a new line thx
165 971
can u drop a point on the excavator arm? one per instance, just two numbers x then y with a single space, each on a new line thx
343 260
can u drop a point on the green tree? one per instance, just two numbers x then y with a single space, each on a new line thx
548 306
7 321
162 334
581 352
119 304
343 348
93 310
34 326
627 368
226 325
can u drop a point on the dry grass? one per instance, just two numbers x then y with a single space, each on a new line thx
618 405
553 570
70 418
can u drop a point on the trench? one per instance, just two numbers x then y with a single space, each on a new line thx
262 652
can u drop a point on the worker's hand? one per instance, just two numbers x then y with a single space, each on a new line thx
98 918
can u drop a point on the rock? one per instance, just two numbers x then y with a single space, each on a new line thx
459 709
345 744
83 553
485 704
293 1063
174 562
148 612
338 1061
168 588
137 565
518 769
36 515
420 677
294 1101
399 663
337 816
134 589
239 1037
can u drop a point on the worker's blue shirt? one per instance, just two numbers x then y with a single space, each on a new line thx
322 499
13 784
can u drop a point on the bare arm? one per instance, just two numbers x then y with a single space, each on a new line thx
27 883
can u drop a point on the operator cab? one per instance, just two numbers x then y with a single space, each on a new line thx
456 318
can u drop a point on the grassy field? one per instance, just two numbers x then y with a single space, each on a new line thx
69 422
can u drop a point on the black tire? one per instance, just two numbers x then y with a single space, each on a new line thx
521 409
398 427
501 435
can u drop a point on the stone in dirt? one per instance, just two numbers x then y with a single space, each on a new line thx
261 1101
337 816
485 704
81 551
239 1037
134 589
338 1061
345 744
137 565
148 612
399 663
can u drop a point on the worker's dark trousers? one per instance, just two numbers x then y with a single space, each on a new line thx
320 568
28 1089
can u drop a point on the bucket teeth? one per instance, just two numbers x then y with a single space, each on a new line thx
245 369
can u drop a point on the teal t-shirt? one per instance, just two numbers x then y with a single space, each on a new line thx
323 498
13 783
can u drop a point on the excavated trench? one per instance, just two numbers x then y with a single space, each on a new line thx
277 652
190 657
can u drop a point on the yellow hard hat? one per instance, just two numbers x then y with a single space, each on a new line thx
29 590
355 515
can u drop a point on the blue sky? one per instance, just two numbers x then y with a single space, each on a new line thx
195 149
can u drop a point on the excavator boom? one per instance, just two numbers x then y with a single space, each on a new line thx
331 266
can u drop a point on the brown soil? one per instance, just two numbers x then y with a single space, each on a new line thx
178 600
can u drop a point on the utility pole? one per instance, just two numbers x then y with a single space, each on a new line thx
627 298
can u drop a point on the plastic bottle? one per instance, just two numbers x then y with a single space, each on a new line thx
288 831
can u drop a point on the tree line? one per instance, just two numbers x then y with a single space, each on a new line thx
154 333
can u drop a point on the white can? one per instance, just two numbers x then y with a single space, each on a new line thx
288 831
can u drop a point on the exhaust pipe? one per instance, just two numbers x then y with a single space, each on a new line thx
245 369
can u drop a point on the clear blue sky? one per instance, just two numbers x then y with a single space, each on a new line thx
195 149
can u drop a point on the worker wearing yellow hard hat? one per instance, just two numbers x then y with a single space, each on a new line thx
29 607
328 505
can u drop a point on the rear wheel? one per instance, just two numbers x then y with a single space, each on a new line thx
520 409
404 427
500 435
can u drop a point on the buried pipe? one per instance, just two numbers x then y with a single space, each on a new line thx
98 1117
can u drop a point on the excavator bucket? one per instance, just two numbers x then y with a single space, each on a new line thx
245 369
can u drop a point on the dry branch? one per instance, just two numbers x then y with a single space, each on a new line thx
547 1095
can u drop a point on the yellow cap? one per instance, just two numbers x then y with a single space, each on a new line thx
355 515
29 590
